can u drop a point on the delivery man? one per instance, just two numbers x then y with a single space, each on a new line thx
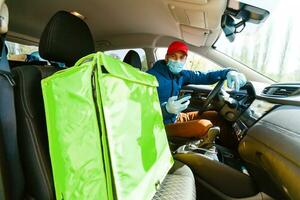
171 76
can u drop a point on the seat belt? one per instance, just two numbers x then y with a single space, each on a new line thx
8 127
4 65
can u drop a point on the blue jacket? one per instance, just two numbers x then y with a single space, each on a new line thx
170 85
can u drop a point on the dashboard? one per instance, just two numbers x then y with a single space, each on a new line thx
265 119
271 150
268 131
254 106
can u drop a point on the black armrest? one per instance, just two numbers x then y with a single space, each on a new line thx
223 178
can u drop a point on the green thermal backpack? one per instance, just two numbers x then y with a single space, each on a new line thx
105 128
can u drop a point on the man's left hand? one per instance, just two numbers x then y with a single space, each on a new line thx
235 80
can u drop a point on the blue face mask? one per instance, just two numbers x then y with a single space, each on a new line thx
175 66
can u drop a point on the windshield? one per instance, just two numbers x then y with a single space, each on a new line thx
271 48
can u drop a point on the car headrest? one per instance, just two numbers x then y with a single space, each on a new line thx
133 58
3 17
66 38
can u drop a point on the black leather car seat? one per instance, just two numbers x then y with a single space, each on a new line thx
132 58
66 38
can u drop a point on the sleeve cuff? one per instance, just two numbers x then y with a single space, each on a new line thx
165 113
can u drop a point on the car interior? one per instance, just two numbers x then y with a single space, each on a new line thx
256 158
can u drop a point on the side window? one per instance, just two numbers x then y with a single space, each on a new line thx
194 62
18 51
121 53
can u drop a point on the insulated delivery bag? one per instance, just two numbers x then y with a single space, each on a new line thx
105 129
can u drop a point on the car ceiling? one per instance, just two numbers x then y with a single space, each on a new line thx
109 19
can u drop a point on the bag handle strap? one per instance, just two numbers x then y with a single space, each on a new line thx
87 58
95 58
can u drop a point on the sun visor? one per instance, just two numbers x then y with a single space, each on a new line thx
195 36
198 20
195 18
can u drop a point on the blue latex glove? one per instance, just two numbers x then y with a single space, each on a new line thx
175 106
235 80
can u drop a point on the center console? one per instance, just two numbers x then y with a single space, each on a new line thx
216 153
212 175
250 116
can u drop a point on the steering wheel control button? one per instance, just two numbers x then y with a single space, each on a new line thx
230 116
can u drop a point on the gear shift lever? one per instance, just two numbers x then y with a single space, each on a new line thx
209 140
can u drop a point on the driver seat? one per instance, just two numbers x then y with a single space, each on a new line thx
132 58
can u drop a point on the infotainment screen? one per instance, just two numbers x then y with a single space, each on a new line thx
255 111
258 108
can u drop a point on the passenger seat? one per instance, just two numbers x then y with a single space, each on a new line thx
66 38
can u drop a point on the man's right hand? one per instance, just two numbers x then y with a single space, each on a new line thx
175 106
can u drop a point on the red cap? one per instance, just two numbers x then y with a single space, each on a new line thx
177 46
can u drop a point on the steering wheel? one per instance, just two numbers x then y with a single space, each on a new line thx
211 96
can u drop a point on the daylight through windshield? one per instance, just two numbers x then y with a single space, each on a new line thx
271 48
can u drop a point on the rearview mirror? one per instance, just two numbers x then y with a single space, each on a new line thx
244 13
228 26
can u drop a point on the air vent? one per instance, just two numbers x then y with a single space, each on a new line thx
282 90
